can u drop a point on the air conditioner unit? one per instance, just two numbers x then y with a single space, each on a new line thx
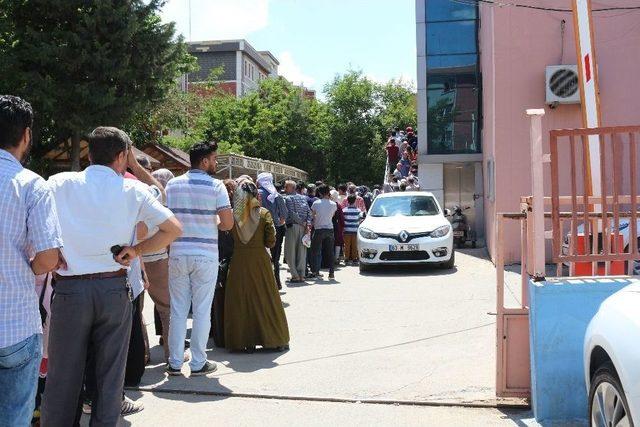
562 84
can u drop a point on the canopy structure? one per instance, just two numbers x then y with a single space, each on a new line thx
60 157
174 159
235 165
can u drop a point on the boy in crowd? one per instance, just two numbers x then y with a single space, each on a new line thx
351 224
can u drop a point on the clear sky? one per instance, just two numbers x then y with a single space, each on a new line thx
313 39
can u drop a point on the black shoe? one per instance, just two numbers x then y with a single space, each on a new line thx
332 276
172 371
208 368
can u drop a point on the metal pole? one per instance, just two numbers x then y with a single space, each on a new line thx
537 192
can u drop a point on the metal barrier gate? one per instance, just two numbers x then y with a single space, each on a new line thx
591 235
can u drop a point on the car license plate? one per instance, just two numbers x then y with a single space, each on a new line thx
458 233
397 248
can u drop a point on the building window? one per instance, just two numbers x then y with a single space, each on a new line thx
453 79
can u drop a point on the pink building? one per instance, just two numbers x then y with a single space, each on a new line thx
513 47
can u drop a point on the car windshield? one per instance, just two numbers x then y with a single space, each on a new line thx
404 206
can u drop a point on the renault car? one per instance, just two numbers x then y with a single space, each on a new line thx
405 228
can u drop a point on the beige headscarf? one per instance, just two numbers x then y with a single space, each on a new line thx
246 208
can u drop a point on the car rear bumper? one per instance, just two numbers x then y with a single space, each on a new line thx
429 251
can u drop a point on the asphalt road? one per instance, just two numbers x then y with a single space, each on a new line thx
396 335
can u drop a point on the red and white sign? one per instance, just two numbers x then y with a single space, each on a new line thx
589 91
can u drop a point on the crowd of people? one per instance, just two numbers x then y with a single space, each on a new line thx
79 251
402 161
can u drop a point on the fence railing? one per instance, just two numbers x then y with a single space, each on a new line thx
599 230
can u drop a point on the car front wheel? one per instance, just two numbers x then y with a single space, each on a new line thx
607 402
448 265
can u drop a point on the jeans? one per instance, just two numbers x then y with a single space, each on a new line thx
192 282
276 252
19 367
322 244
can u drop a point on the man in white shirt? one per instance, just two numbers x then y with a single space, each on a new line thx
323 240
98 211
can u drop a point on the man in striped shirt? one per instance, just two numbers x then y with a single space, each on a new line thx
351 224
199 201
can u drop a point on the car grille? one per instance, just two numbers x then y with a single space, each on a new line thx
411 236
404 256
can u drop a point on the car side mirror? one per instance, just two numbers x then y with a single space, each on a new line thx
363 215
447 212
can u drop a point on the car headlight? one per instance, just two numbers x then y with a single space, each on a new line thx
368 234
441 231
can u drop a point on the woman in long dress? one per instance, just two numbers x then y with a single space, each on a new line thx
254 315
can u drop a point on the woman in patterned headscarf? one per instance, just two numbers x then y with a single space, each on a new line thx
254 315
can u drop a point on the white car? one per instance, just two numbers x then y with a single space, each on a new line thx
612 360
405 228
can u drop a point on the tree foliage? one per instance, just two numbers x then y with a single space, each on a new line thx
275 122
362 112
84 64
339 140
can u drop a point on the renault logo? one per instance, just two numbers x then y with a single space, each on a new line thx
404 236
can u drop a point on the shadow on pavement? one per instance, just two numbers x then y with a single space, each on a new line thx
522 418
408 270
259 360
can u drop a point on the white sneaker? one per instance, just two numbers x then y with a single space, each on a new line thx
129 407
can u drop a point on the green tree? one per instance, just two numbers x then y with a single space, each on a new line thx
274 122
84 64
362 113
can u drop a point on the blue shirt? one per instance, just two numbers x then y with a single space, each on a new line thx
28 225
298 211
196 198
278 208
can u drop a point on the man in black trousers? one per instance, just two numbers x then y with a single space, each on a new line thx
98 213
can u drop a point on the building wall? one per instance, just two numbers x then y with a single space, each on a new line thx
516 46
210 60
250 77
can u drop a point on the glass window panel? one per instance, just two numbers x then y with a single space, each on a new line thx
447 62
446 10
455 137
451 37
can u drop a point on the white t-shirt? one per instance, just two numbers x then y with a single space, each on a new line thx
323 211
97 209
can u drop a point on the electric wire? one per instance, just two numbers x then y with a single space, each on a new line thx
548 9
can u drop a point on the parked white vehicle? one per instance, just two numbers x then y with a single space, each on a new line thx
405 228
612 360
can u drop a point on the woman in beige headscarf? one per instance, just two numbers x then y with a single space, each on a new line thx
254 315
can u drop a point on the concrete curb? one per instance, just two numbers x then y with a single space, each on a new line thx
517 404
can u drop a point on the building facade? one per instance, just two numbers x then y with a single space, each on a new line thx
242 67
480 67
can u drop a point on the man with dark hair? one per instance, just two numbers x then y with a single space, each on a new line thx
30 239
342 193
99 210
323 210
202 203
311 194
